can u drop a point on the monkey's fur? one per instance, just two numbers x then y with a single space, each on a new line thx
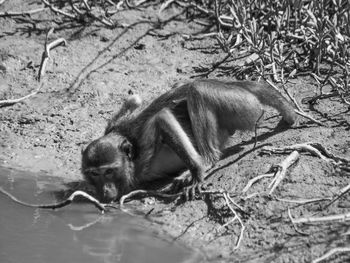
185 128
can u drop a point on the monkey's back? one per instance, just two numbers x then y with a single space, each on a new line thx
209 111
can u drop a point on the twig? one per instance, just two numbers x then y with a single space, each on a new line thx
331 252
255 179
56 10
342 191
295 226
100 206
240 237
303 201
314 148
46 54
338 217
165 5
21 13
282 170
9 102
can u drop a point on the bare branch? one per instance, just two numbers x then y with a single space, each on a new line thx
21 13
9 102
69 200
331 253
282 170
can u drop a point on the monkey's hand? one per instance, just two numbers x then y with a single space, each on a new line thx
185 183
190 183
190 191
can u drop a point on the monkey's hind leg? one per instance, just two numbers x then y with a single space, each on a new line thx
176 138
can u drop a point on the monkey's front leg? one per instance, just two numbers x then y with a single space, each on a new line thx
176 138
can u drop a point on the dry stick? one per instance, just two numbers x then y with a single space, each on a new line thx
21 13
9 102
331 252
282 170
338 217
100 206
199 36
255 179
44 58
314 148
303 201
227 199
46 54
103 20
342 191
165 5
327 153
56 10
295 226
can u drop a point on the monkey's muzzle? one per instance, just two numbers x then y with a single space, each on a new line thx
109 192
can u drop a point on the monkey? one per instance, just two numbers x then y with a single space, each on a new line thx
184 129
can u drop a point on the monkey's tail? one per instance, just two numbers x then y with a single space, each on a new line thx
271 97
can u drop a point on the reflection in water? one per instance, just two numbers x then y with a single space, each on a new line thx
77 233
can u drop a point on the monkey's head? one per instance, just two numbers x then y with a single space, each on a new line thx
107 164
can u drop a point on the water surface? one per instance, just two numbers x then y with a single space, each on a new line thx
76 233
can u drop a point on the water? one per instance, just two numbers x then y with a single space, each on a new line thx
76 233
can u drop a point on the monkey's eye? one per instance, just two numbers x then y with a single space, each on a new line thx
94 174
109 171
127 148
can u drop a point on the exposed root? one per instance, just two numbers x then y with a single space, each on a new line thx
282 170
338 217
46 54
69 200
342 191
229 201
295 226
255 179
331 253
303 201
316 149
9 102
42 70
21 13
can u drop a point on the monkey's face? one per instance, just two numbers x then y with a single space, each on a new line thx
107 164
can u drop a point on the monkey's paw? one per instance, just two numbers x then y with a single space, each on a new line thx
191 191
181 182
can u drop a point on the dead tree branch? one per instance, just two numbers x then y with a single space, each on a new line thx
21 13
331 253
320 219
314 148
9 102
46 54
282 170
69 200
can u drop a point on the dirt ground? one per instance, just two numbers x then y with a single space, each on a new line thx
86 82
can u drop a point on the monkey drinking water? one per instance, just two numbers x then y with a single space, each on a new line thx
184 129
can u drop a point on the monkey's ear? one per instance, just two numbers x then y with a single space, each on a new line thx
128 149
